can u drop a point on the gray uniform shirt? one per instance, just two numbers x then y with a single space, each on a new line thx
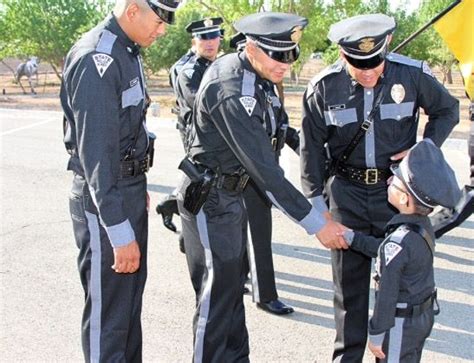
229 132
102 96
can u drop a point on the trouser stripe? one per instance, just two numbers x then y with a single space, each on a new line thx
205 298
95 287
253 266
395 341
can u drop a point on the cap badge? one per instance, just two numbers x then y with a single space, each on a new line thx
296 34
366 44
398 93
208 23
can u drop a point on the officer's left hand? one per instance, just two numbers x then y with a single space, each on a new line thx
377 351
399 156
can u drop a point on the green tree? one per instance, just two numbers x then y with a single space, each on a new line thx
46 28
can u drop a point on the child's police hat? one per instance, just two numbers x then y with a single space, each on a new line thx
208 28
277 34
428 177
363 39
165 9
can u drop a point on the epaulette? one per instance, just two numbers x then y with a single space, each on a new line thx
106 42
333 68
398 58
399 234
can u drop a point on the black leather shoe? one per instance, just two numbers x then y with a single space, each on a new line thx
167 215
275 307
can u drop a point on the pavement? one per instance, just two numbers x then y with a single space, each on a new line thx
41 297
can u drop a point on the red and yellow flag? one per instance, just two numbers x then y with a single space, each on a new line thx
456 28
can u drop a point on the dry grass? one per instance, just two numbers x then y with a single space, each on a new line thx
48 90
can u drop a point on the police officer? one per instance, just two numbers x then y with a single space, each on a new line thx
258 208
446 219
186 77
365 108
228 144
104 98
405 288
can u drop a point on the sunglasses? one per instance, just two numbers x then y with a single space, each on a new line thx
289 56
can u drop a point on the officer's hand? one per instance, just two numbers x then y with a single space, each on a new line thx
127 258
376 350
330 236
399 156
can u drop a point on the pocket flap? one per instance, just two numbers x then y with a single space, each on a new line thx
396 111
132 96
340 118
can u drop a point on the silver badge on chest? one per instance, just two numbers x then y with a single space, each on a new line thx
398 93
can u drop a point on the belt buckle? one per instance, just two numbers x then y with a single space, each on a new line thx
371 176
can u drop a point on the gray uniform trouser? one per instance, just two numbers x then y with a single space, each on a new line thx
260 244
404 342
364 209
111 324
215 241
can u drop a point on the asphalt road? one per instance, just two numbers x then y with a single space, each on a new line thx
41 296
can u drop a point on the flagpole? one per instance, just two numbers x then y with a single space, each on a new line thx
422 29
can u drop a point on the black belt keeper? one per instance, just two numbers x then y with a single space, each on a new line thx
371 176
133 168
416 310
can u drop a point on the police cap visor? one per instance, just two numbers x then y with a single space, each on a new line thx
165 15
368 63
289 56
209 35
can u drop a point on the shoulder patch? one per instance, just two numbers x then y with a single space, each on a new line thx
189 72
248 103
391 250
398 58
426 69
102 62
334 68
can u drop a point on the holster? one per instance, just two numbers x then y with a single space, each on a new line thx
199 188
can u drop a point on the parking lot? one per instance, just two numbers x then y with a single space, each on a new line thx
41 296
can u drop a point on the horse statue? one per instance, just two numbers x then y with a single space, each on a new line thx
27 69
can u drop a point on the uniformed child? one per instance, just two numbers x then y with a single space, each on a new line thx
405 290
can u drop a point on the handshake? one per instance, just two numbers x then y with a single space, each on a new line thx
332 234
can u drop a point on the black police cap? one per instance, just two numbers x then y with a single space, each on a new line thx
363 38
428 177
237 41
277 34
208 28
165 9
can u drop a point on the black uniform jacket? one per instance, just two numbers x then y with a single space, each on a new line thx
102 96
405 269
335 105
230 132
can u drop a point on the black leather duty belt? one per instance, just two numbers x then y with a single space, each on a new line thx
133 168
232 183
364 176
416 310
